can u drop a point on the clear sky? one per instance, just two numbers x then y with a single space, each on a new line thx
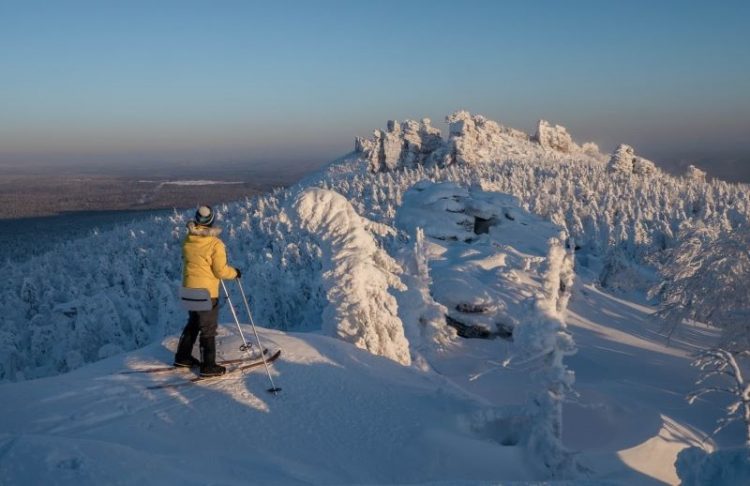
161 81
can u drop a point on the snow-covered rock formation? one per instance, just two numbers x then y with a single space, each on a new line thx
501 272
625 161
472 139
484 252
695 174
401 145
356 275
555 137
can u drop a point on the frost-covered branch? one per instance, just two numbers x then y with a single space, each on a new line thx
706 280
723 364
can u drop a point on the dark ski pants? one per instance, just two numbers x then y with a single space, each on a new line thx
204 322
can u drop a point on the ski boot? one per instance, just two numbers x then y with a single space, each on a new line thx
208 358
184 356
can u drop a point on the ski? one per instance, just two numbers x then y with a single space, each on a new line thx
199 379
162 369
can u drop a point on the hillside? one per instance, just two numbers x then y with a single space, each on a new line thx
551 256
346 416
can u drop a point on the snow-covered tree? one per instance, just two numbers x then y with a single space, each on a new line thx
357 276
706 279
722 372
543 338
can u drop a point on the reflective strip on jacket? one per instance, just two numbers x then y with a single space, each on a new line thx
204 259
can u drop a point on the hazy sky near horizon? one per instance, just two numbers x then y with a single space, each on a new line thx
202 81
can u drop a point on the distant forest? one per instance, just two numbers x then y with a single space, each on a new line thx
36 191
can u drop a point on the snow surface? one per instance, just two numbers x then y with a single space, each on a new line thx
632 410
199 182
347 416
344 416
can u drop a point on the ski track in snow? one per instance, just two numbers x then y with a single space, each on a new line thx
312 432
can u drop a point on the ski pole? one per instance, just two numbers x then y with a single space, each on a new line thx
273 388
244 346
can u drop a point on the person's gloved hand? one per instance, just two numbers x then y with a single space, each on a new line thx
239 273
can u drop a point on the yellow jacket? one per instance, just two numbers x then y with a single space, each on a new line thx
204 259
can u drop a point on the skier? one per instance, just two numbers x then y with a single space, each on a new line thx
204 265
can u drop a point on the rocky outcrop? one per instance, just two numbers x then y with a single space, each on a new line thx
695 174
625 161
592 150
555 137
490 227
472 139
401 145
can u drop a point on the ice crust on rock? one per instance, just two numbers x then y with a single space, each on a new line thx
439 209
356 275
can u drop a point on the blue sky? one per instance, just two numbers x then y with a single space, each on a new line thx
261 81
